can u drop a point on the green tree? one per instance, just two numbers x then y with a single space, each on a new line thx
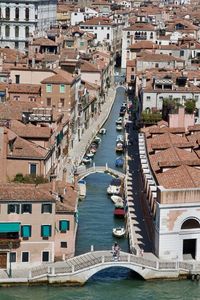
190 106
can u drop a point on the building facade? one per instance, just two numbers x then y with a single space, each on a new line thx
21 19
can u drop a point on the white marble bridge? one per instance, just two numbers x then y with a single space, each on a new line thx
99 169
79 269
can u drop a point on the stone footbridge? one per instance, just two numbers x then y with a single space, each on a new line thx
79 269
84 172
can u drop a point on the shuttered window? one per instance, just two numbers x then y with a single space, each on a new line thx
63 225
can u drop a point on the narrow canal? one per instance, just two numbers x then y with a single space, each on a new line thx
95 228
96 219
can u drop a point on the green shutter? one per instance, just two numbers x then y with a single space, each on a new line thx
9 227
26 231
46 230
64 225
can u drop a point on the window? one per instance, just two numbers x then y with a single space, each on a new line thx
62 88
49 88
7 13
26 31
45 256
26 208
27 14
26 231
91 27
32 169
101 28
48 101
156 65
17 13
7 30
108 36
17 79
13 208
16 45
63 244
196 98
13 257
81 44
148 98
46 231
46 208
25 256
62 101
108 28
16 98
32 98
16 31
63 226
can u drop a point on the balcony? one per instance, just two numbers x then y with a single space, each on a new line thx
140 37
9 243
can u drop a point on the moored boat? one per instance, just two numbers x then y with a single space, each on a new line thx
116 199
97 139
119 121
86 160
120 138
102 131
113 190
119 231
90 154
119 212
82 189
119 162
119 147
119 127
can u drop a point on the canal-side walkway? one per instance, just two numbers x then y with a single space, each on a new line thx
80 147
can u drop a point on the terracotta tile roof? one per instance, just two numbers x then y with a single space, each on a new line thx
143 45
43 42
140 26
24 88
68 193
24 192
97 21
196 127
13 110
31 131
91 86
182 177
25 149
62 77
158 58
88 67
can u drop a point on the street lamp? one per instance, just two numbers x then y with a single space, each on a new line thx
10 245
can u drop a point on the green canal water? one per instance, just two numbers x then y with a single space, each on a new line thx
95 228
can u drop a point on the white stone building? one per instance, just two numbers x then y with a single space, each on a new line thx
21 19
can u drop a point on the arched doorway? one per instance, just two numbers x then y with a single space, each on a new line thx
190 230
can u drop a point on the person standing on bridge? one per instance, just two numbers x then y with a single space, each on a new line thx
116 251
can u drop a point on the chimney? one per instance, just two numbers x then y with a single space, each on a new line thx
144 81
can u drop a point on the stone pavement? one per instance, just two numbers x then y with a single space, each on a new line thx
76 154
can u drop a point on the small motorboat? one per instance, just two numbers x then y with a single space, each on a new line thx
93 150
119 127
124 105
102 131
120 138
119 147
90 154
81 189
116 199
113 190
119 121
97 139
119 162
86 160
119 232
119 212
122 113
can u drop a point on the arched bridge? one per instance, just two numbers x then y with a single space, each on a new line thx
80 268
82 173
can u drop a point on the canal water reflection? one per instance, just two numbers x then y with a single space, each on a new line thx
96 219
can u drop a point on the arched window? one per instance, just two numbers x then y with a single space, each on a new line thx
16 31
27 13
26 31
17 13
7 30
7 13
190 224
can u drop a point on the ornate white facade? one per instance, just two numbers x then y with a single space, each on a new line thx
21 19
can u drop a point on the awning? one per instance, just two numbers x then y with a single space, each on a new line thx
9 227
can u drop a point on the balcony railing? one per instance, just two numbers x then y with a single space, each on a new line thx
9 243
